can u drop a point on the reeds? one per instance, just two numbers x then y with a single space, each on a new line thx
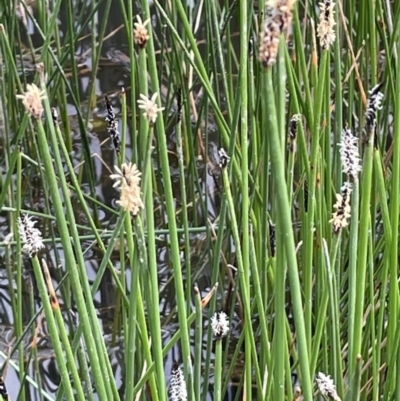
272 257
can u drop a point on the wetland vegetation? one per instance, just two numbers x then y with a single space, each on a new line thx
199 200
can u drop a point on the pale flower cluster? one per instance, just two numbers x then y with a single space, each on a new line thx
349 154
342 214
140 33
223 158
150 107
374 104
178 390
220 324
30 236
32 101
326 386
127 179
325 30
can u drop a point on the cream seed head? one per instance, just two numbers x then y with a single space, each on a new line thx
150 107
140 33
32 101
325 30
127 179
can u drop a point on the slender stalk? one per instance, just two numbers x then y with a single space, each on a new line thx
58 348
394 217
133 311
146 153
70 258
285 226
364 224
245 243
355 383
353 287
19 299
218 371
312 183
62 333
279 340
185 218
198 345
169 201
248 330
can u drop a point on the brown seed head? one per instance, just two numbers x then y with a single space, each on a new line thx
278 15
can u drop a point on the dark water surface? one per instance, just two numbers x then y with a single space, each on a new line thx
113 74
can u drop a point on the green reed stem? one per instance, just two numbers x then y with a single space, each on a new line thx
244 273
169 203
99 238
279 340
198 346
185 219
175 338
314 170
355 383
152 290
260 306
89 329
336 359
62 333
19 296
285 227
220 54
146 342
394 248
366 184
242 281
130 330
147 133
353 285
320 327
218 371
55 335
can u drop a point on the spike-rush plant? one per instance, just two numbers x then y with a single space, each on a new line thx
199 200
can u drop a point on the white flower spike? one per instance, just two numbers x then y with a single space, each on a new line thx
327 387
178 390
30 236
220 324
